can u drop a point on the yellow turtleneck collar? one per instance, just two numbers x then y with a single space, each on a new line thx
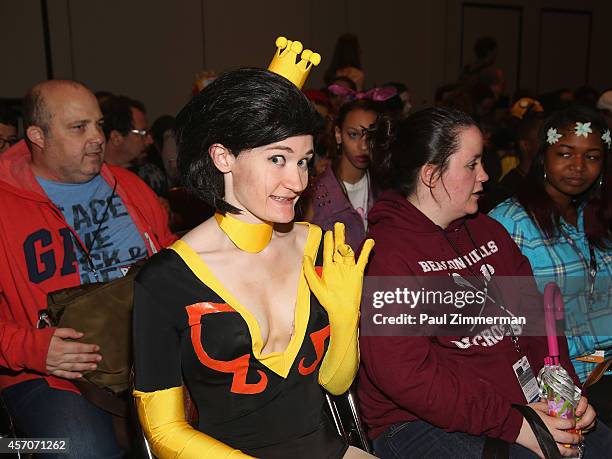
250 237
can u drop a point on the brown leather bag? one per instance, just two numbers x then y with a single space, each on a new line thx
103 312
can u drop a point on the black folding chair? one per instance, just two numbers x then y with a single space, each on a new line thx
7 430
344 412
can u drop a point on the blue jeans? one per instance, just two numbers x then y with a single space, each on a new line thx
40 411
421 440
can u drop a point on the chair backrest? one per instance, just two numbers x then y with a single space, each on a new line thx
147 453
344 412
7 428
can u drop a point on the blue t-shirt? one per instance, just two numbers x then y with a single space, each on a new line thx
103 224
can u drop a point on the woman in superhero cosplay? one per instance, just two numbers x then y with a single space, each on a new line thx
251 312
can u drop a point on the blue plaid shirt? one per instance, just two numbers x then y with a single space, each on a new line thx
588 318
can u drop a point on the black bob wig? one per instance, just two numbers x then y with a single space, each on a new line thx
243 109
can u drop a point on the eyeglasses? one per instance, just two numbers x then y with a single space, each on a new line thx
140 132
10 141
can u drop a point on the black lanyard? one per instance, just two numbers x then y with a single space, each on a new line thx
495 293
87 249
591 265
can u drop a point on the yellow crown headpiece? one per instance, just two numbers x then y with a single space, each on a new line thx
284 61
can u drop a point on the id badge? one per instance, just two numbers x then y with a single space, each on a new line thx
527 380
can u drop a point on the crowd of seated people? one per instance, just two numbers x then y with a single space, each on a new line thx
483 185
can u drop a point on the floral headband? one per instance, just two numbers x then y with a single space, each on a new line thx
580 129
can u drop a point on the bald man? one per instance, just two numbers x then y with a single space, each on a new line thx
67 219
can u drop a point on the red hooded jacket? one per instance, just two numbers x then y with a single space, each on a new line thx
460 386
31 226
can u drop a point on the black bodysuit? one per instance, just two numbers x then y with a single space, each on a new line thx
189 329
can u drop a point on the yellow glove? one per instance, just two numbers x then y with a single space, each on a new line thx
339 292
162 417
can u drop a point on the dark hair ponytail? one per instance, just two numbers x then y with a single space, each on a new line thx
429 136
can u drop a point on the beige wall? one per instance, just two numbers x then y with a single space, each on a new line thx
151 49
22 47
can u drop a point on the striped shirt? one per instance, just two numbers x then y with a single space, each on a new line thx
565 259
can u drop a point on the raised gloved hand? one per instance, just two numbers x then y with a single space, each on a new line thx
338 289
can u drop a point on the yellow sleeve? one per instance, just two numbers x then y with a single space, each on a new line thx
162 416
341 361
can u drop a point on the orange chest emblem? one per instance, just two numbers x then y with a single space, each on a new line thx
239 366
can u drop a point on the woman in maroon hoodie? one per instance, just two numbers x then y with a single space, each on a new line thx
443 396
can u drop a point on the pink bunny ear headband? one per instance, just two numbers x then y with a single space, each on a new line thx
375 94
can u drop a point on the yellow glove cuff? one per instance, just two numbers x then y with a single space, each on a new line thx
162 416
341 361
